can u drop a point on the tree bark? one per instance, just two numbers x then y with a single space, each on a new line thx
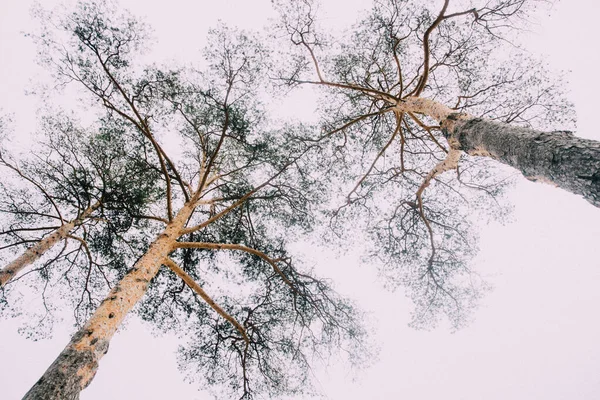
35 252
558 158
76 366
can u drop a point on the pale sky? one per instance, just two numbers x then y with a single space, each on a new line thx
536 335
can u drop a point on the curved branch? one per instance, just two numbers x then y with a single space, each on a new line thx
423 80
172 265
230 246
381 152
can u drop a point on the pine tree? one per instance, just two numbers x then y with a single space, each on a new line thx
239 188
75 184
419 104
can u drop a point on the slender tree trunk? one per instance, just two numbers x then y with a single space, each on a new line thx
76 366
558 158
33 253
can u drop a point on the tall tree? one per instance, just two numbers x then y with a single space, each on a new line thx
72 172
418 89
105 181
239 187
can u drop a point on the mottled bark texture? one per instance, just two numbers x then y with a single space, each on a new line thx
76 366
63 379
557 158
30 255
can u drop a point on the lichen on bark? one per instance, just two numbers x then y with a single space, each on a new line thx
558 157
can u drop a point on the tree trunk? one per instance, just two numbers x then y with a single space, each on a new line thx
557 158
76 366
33 253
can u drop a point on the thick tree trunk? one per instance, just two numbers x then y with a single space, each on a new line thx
557 158
76 366
35 252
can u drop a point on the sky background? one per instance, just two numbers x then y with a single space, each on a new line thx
535 335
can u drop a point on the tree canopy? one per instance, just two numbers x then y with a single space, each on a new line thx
403 92
246 187
240 186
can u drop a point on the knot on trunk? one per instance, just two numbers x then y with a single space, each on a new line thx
450 124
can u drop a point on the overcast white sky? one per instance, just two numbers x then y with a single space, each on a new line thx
536 335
